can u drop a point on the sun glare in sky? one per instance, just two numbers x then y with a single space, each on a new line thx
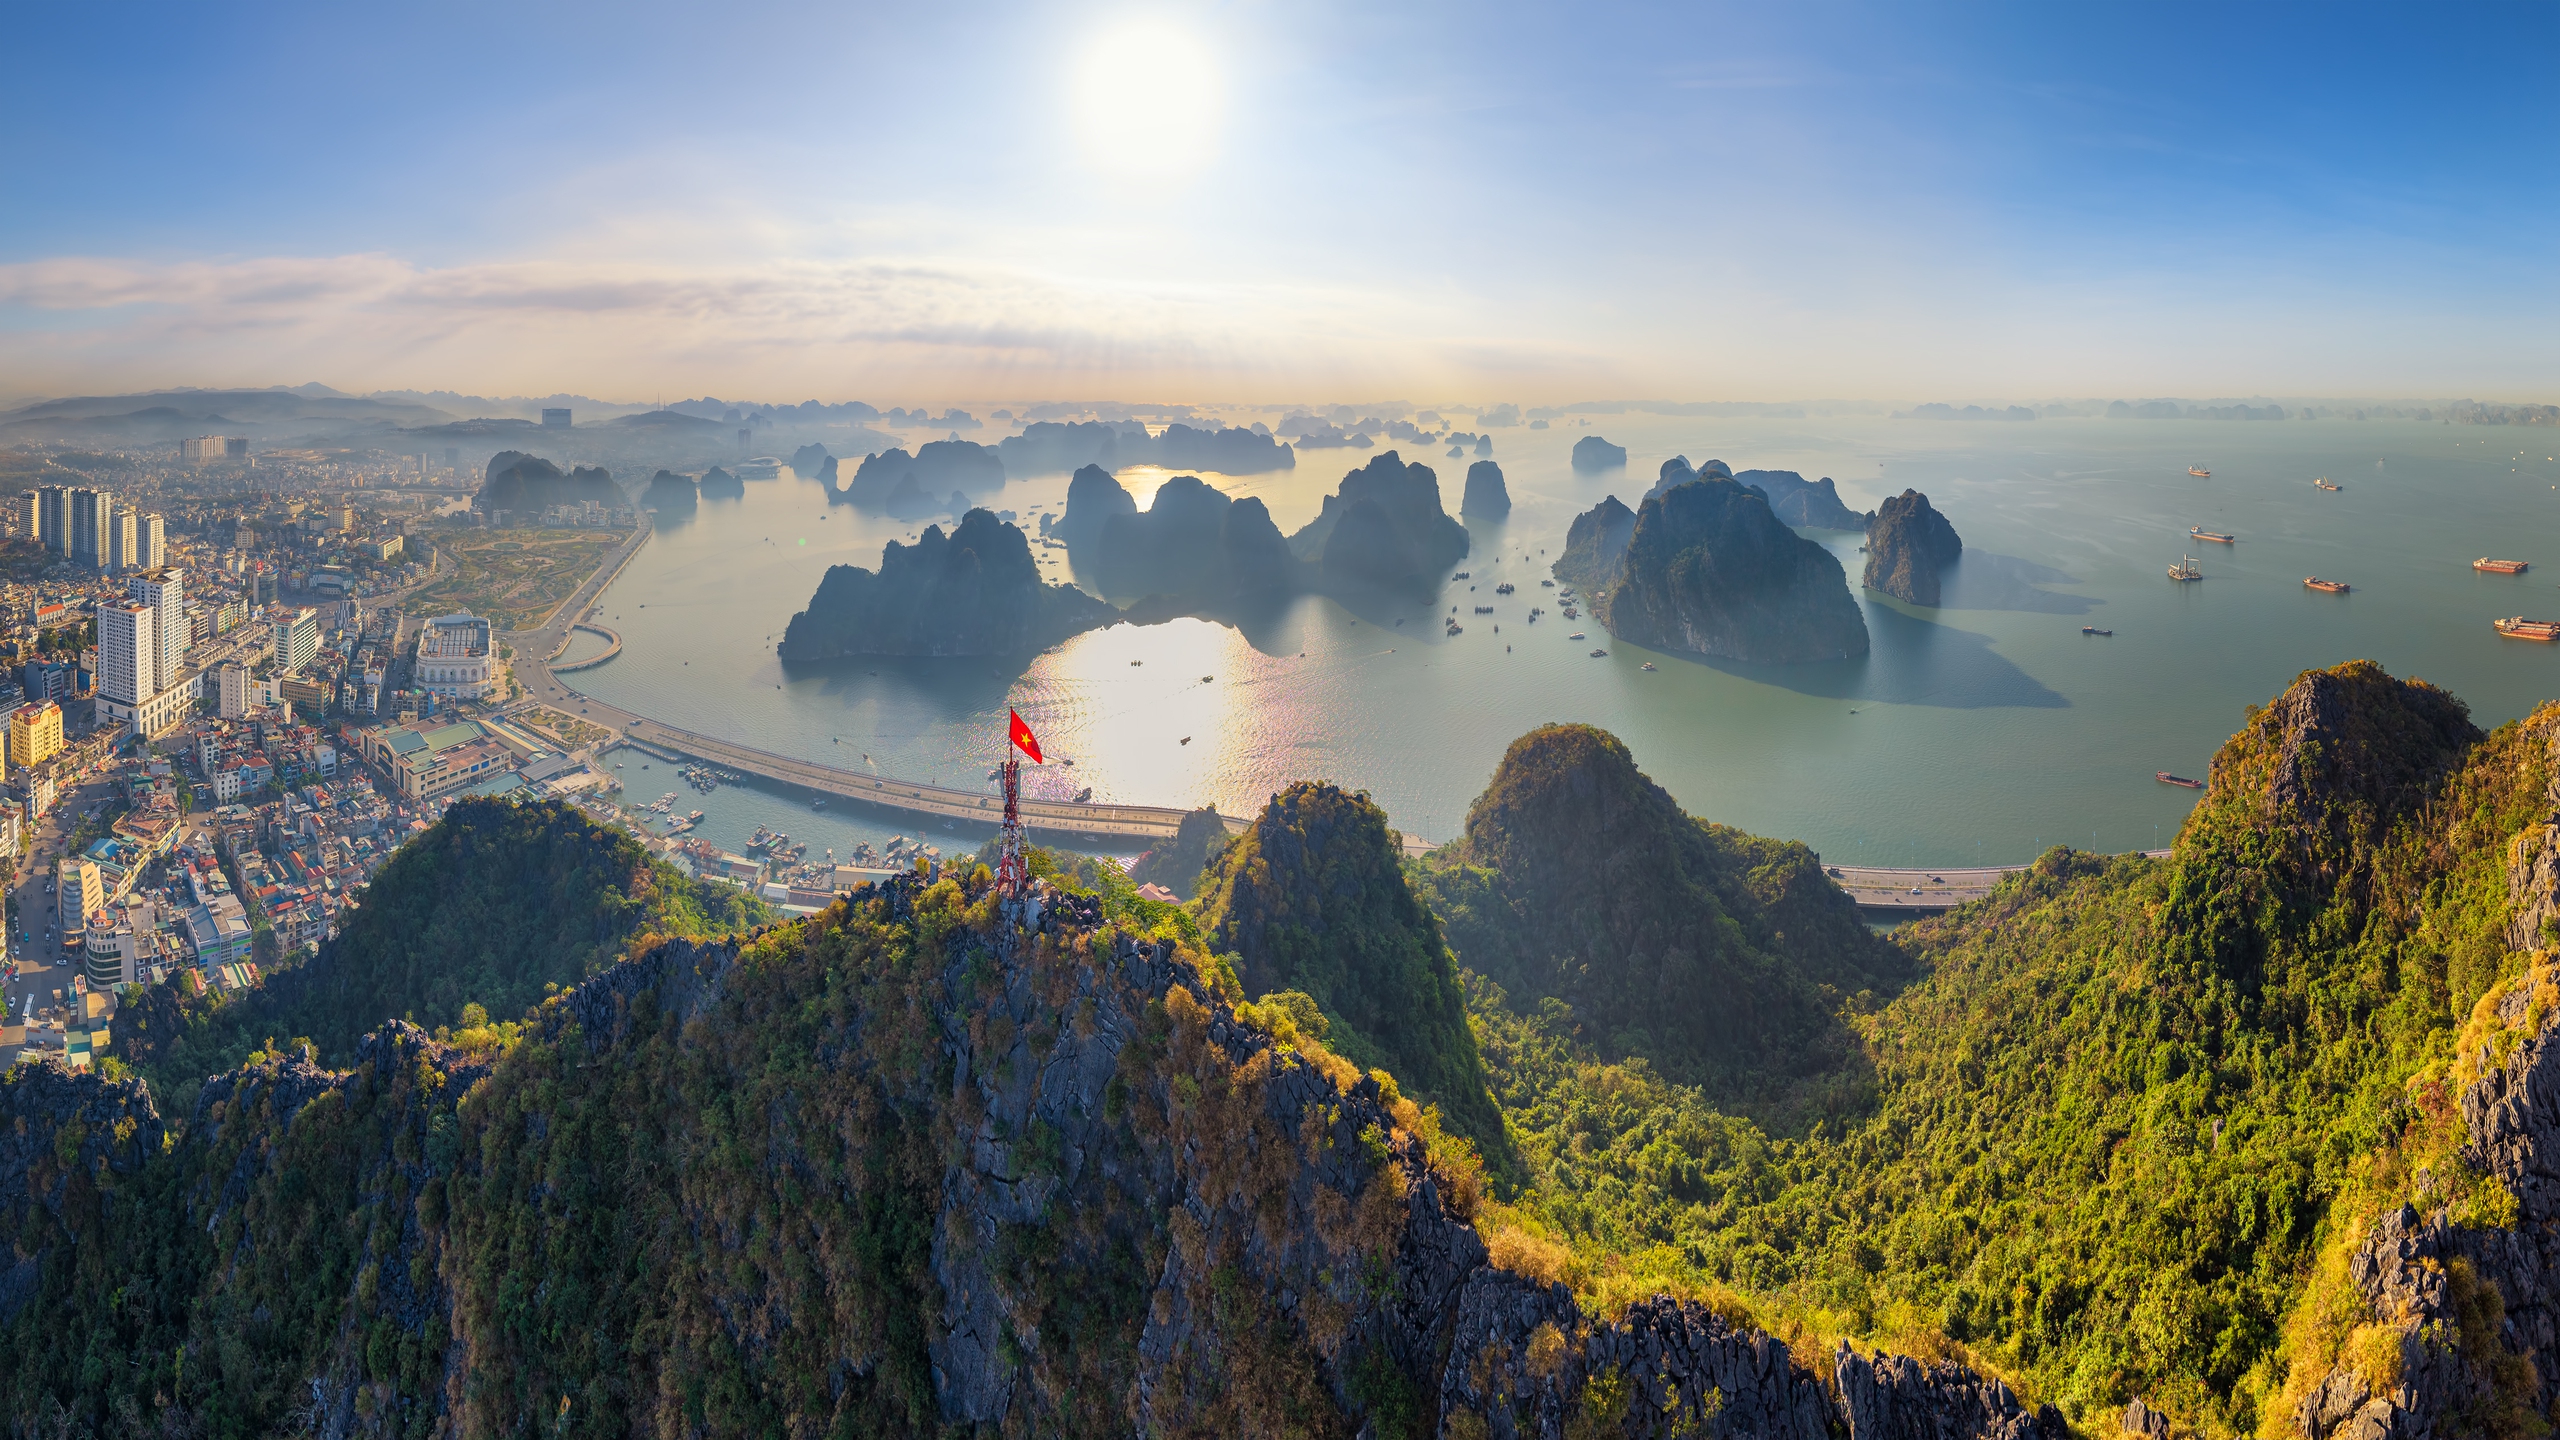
1148 100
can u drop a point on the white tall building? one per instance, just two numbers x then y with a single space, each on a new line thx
129 669
165 591
151 542
122 537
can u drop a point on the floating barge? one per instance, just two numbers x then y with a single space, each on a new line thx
2500 567
2516 627
2165 778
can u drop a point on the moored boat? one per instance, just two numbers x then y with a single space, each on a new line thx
2516 627
2199 472
2185 569
2216 536
2166 778
2323 484
2094 630
2325 587
2499 567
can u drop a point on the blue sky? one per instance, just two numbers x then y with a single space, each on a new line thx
1259 202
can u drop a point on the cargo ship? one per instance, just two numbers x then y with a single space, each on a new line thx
2519 628
2325 587
2094 630
2185 569
2166 778
2216 536
2199 472
2323 484
2499 567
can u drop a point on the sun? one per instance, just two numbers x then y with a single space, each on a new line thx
1148 100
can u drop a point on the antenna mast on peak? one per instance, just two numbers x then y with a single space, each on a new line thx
1013 871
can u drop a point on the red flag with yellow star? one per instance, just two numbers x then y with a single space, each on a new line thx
1023 739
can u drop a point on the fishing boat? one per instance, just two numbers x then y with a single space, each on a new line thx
2216 536
2516 627
2199 472
1576 635
2165 778
2499 567
1646 665
2323 484
1596 654
1484 609
2185 569
1505 588
2325 587
2094 630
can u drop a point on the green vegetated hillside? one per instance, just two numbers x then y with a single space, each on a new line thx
1310 899
2116 1133
2125 1123
493 908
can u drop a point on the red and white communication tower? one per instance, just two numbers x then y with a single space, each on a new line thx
1013 867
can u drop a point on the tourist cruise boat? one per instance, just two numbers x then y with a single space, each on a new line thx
2199 472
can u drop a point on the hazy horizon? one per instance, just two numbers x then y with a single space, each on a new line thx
1231 202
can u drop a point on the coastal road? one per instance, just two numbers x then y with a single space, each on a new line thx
1884 891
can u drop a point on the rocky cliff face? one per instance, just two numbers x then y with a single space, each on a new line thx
2464 1335
1813 504
1595 547
1486 495
1383 526
1908 544
808 460
523 485
1094 499
929 1161
62 1136
937 466
1192 545
670 494
1710 571
1591 455
1176 864
974 592
1579 879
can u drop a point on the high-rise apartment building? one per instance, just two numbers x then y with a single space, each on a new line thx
93 517
122 537
129 670
128 636
297 638
25 509
53 518
151 542
165 591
